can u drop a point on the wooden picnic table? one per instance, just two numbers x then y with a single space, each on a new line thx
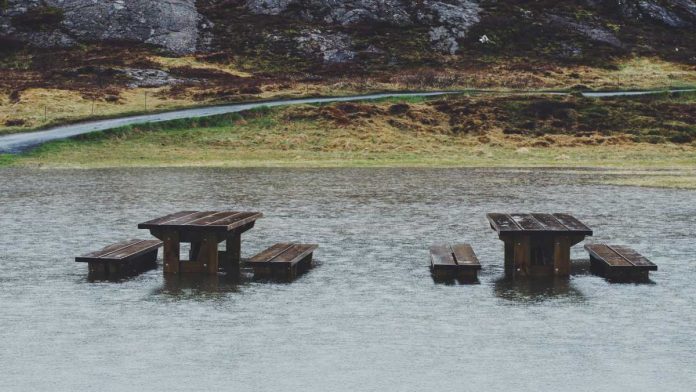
538 244
204 230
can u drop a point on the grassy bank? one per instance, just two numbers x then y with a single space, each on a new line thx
640 136
54 101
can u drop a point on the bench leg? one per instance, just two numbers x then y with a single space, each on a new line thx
114 270
467 276
263 270
98 270
283 272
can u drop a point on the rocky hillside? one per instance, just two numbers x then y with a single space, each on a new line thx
360 31
174 25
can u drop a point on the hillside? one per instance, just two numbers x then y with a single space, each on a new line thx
63 60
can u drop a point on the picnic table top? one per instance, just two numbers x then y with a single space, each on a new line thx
202 220
537 223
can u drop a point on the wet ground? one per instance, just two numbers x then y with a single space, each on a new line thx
369 317
20 142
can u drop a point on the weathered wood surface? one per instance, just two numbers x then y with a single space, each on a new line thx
203 220
537 223
283 261
619 263
617 256
204 230
537 244
454 261
122 259
121 251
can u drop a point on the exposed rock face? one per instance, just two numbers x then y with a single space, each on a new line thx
326 29
331 48
591 32
172 24
449 20
672 13
454 22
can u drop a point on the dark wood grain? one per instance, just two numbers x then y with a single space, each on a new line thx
200 221
634 257
121 251
108 249
270 253
464 255
537 223
294 254
503 222
441 254
210 219
166 218
527 222
607 255
235 220
550 222
573 224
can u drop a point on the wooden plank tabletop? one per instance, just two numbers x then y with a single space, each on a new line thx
202 220
537 223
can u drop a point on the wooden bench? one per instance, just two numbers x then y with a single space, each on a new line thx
284 261
619 263
125 258
457 261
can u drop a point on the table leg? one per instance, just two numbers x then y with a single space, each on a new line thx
561 256
172 258
509 257
194 250
233 254
210 248
521 255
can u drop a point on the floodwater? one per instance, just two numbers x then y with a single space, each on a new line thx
368 317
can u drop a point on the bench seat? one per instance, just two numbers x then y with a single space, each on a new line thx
619 263
456 261
283 261
121 259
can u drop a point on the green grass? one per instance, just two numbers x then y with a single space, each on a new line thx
368 134
7 159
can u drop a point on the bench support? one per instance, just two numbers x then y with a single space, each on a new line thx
114 270
283 262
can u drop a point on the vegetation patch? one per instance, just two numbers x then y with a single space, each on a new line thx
39 18
7 159
449 131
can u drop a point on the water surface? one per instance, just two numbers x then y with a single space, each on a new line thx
369 317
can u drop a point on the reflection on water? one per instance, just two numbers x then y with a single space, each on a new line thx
370 318
537 290
192 286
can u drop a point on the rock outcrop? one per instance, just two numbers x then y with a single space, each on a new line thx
672 13
338 31
174 25
449 21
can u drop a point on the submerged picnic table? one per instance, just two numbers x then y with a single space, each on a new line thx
204 230
538 244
